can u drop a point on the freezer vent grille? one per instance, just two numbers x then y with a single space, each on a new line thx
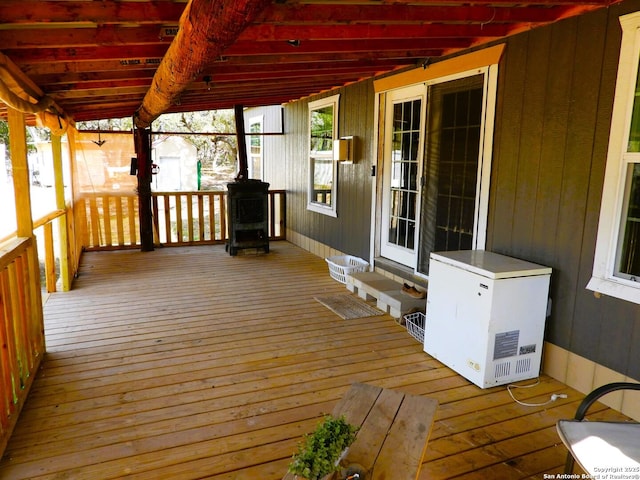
502 369
523 365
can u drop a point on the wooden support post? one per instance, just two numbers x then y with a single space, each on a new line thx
24 220
75 237
143 153
243 163
20 168
63 232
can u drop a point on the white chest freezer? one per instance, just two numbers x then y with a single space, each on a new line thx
486 314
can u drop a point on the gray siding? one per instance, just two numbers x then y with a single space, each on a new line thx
350 231
555 95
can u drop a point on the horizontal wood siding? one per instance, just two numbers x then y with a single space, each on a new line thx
555 93
350 231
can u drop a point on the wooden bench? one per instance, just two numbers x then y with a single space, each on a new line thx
394 431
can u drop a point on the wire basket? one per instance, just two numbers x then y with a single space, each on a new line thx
415 325
342 265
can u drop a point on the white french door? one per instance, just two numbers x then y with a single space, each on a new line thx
437 163
403 151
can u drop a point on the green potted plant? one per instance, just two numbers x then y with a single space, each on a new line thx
320 452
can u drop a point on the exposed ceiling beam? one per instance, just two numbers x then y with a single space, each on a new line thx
206 30
32 38
222 72
429 11
98 65
219 70
334 46
35 69
21 12
102 35
110 11
81 54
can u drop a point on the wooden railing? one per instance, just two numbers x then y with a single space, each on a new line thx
179 218
21 329
48 254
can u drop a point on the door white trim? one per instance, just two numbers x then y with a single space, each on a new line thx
400 254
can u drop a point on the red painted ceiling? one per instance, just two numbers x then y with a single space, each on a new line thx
96 58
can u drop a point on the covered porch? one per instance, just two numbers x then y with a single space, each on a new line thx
188 363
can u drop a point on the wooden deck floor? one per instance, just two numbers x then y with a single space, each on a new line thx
187 363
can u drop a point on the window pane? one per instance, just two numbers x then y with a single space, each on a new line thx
634 134
411 235
402 232
322 180
629 265
322 131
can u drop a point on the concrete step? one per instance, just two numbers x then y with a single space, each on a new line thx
387 292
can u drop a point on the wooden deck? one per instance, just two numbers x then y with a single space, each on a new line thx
187 363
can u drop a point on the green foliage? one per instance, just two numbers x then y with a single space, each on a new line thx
109 124
214 150
320 451
33 134
4 132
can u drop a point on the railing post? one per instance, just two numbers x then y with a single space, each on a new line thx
65 278
78 222
49 258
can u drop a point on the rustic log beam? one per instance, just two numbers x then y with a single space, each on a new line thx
207 29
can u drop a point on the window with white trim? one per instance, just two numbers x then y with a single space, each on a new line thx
323 170
616 268
255 151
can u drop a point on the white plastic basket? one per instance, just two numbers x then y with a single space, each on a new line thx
342 265
415 325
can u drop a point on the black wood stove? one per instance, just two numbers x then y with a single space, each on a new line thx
247 204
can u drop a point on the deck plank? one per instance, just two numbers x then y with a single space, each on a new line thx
187 363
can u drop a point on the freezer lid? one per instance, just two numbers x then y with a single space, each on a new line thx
489 264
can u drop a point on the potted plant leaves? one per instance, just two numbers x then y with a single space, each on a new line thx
320 452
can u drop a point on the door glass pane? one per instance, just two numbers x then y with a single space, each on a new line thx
629 262
451 174
404 171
